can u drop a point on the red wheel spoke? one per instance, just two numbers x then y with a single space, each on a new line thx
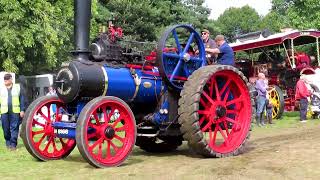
100 149
45 117
35 122
119 138
208 97
204 104
232 111
118 120
223 135
92 135
123 128
201 120
108 149
62 143
48 109
217 91
225 86
58 118
206 126
95 115
47 145
114 147
106 119
92 125
95 144
213 139
37 132
41 139
226 96
54 145
204 112
226 127
234 101
232 121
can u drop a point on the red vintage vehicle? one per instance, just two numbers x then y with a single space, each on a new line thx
280 57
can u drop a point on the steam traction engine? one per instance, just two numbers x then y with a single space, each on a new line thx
111 98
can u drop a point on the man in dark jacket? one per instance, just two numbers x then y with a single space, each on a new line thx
224 51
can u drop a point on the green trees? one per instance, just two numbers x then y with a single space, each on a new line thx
236 21
34 34
37 35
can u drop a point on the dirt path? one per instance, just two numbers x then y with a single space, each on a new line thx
290 153
277 152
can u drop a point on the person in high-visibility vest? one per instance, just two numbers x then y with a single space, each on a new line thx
11 109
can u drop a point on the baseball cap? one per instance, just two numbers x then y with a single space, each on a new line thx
206 31
7 76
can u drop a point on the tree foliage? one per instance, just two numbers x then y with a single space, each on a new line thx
34 34
37 35
236 21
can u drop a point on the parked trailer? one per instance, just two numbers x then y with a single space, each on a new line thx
267 54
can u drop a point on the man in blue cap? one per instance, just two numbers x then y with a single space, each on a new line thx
224 51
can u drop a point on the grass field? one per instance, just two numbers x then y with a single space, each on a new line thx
284 150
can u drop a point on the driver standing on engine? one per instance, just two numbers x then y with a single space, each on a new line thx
208 43
224 51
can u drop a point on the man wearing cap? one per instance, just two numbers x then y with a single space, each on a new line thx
208 43
224 51
11 109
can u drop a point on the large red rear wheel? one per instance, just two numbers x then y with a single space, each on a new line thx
215 111
37 131
106 131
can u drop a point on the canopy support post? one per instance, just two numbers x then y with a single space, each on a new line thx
292 55
285 49
318 52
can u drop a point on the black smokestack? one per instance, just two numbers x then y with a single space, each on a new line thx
82 16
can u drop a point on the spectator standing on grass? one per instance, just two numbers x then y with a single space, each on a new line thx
12 108
302 94
261 88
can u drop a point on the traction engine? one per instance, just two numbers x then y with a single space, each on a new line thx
110 98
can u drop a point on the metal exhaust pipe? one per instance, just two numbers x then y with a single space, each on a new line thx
82 16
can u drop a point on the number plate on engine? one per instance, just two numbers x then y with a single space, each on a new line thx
61 131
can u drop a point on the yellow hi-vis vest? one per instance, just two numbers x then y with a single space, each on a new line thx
15 93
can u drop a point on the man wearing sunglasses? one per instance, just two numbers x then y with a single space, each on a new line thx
12 108
208 43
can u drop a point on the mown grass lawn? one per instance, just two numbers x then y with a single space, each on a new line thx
180 164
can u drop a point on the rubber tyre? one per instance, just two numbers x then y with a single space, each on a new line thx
26 129
189 104
82 132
